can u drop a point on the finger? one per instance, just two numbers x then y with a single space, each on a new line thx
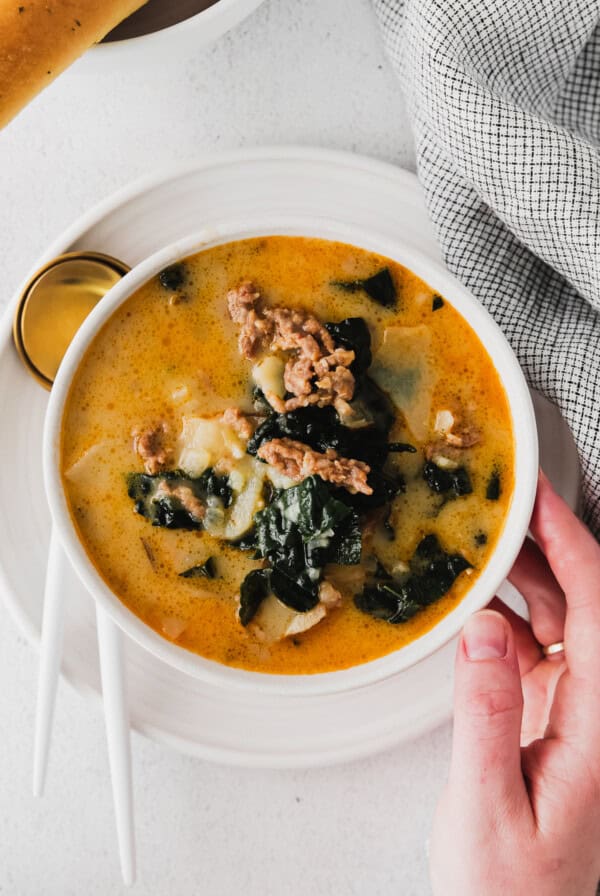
529 652
532 577
574 557
538 688
488 705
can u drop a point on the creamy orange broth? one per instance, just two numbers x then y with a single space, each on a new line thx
136 372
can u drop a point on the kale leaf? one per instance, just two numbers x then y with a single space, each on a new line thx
173 277
253 590
386 486
371 442
206 570
343 546
316 427
346 545
353 333
164 507
303 515
401 448
493 489
321 428
380 287
388 602
295 587
303 528
432 573
456 482
217 487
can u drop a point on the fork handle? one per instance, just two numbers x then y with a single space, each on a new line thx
51 646
114 694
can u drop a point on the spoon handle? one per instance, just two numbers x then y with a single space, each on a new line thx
114 693
50 660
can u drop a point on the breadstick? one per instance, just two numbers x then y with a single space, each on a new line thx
40 38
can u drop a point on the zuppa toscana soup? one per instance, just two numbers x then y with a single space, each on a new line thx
287 454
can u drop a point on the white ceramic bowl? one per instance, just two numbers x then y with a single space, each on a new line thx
187 35
484 588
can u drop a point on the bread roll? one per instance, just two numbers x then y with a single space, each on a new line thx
40 38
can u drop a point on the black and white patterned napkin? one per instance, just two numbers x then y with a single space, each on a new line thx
504 99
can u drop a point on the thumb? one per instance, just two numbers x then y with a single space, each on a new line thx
488 706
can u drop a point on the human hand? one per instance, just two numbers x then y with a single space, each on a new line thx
520 814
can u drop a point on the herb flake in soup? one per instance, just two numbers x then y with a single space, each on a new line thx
289 455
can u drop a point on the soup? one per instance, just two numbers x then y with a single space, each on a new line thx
155 15
288 455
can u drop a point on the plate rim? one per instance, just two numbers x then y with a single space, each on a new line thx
92 217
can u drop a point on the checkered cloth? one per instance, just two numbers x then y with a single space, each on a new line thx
504 99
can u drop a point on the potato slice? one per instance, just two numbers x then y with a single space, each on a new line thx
274 621
402 367
204 441
98 464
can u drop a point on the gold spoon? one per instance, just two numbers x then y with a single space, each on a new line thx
55 303
51 309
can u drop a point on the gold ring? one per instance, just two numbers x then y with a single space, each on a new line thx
553 649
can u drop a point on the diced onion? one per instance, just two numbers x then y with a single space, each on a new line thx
173 627
444 421
180 394
445 463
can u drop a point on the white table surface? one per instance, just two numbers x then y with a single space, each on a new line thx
297 71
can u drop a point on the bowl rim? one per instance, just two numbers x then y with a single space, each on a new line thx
515 525
214 21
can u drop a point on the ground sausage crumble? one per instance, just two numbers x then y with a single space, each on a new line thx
150 445
298 461
317 373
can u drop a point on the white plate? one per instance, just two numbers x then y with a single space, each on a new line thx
245 729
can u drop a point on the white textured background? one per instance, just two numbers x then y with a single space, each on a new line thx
297 71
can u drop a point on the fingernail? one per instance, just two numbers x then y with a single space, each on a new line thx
485 636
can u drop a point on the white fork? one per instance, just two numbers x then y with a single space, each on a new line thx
114 692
